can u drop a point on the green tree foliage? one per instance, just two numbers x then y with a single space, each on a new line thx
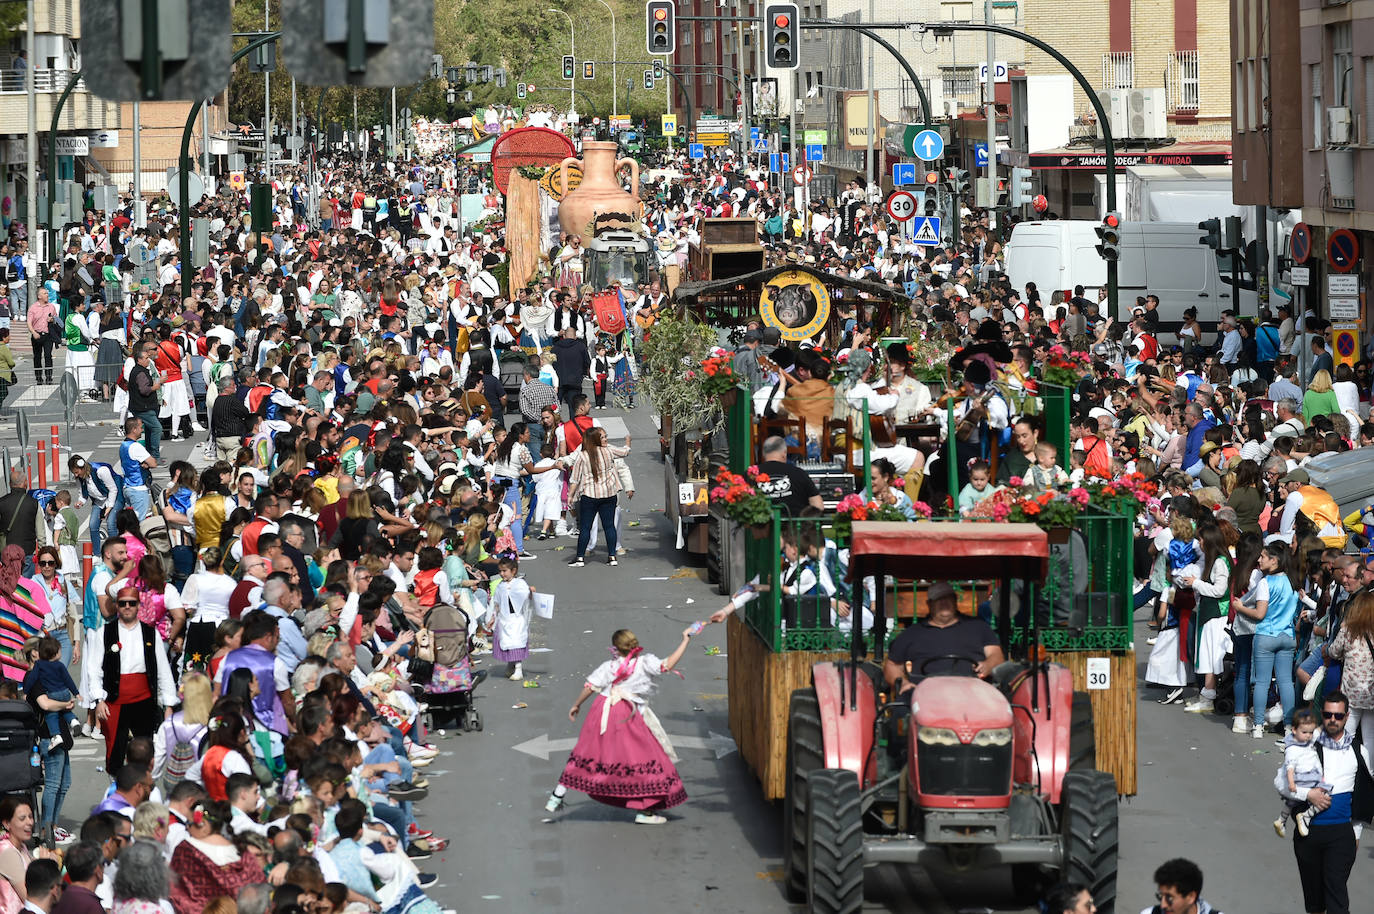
519 35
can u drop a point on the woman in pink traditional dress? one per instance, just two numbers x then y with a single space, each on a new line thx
623 757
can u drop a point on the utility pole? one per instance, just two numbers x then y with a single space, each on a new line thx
741 86
139 221
31 147
205 144
266 101
872 111
992 120
614 54
293 117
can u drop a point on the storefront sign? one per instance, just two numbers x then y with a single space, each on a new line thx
1097 160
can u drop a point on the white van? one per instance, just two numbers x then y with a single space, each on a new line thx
1161 258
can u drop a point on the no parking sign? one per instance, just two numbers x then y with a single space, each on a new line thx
1345 340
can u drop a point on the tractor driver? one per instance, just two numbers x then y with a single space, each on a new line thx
945 632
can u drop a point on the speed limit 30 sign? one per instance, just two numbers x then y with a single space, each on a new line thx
901 205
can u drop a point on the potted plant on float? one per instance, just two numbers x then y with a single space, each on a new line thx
740 500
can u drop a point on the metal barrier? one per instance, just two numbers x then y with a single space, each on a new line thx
59 394
43 461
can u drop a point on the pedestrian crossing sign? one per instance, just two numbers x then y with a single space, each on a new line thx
925 230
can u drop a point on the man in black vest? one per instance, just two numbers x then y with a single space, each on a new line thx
133 676
21 521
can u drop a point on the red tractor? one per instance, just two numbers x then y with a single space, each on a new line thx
973 774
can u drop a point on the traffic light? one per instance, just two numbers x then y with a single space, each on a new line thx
184 60
588 69
569 70
1020 191
338 42
500 77
519 90
957 179
780 21
263 59
1231 234
661 16
932 204
1109 237
658 70
260 207
1212 228
436 66
932 179
648 79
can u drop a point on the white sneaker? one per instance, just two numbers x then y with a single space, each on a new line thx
1173 696
517 676
197 427
1151 641
1240 725
554 804
1257 731
649 819
1303 819
1199 706
1281 829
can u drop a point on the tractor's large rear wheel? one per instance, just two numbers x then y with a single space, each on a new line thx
1088 824
835 849
804 755
1082 738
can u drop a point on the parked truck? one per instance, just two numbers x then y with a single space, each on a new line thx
1160 258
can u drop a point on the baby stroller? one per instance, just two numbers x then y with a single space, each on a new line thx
19 773
448 683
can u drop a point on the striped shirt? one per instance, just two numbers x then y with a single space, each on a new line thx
606 484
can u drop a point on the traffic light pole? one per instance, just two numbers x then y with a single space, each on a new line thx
55 256
184 166
1103 121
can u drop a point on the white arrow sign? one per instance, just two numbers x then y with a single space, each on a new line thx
541 747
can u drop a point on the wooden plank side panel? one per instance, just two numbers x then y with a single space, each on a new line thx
1114 713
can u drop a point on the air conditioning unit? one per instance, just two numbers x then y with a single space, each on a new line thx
1113 101
1145 118
1339 126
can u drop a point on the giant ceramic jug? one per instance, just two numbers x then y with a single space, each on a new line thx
598 199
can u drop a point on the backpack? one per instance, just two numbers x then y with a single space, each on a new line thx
179 761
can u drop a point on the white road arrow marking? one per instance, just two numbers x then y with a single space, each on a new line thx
541 747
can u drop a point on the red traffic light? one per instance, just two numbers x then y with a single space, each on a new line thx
781 20
660 13
932 177
1111 220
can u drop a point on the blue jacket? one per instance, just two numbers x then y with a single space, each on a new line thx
1194 441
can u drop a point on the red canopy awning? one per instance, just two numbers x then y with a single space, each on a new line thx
949 551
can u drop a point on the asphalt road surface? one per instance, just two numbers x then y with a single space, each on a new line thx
1204 792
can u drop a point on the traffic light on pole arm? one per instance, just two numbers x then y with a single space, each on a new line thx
1109 237
1211 229
782 45
662 19
957 179
569 66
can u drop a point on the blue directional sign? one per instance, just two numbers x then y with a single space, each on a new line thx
786 161
815 152
929 145
754 135
774 162
903 173
925 230
980 155
696 151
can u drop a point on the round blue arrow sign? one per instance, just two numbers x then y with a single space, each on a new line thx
928 145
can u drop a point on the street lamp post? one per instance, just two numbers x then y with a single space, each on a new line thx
572 49
614 111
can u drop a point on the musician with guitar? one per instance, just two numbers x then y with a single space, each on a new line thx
981 412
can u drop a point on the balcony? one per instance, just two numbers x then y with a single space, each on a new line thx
1182 83
1118 70
43 80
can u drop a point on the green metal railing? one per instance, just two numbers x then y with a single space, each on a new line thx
1083 604
1056 403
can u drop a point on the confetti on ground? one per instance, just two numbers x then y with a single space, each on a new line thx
653 579
682 573
634 523
713 651
519 705
690 601
531 684
773 875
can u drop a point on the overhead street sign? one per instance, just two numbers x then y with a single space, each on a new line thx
928 145
713 139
